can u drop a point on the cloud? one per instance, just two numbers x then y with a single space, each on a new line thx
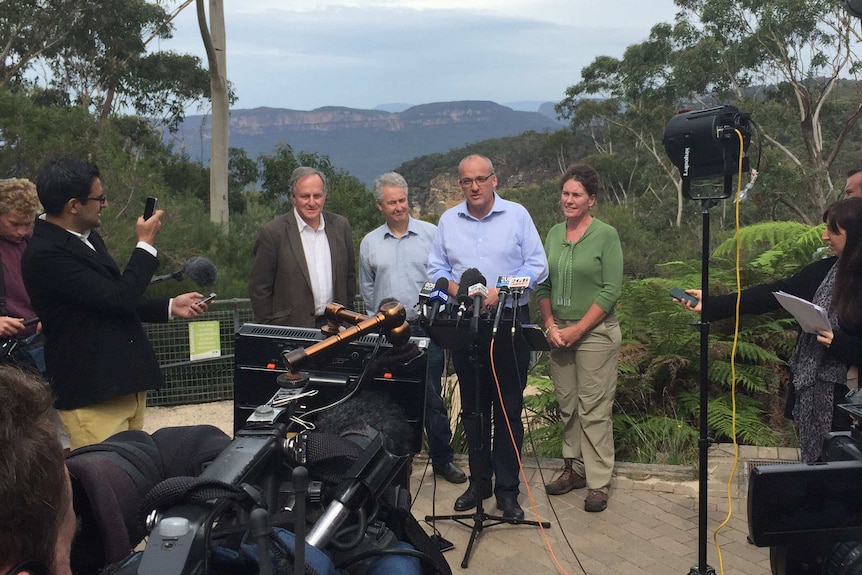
362 53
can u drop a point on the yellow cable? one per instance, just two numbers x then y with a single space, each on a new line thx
733 359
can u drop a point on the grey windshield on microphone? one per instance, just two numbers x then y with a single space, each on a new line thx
201 271
198 269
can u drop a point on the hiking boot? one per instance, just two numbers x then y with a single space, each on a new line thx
569 479
597 500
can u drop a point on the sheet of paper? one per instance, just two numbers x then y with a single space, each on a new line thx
811 317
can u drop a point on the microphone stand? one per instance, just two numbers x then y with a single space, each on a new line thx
449 335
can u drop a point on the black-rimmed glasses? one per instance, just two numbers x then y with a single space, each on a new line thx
103 199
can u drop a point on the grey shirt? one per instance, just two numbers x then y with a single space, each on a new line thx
395 267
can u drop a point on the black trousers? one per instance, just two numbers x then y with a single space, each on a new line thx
494 455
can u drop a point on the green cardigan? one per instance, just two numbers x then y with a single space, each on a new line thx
587 272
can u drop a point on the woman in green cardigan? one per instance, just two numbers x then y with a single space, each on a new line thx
577 306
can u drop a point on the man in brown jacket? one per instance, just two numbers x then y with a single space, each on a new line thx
303 260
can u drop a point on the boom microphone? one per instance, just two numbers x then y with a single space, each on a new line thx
437 297
198 269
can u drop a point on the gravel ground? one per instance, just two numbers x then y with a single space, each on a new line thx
218 413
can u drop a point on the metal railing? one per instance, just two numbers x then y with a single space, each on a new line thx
198 381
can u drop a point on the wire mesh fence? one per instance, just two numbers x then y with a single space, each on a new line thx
198 381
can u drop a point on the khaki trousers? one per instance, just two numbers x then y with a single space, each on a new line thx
585 381
95 423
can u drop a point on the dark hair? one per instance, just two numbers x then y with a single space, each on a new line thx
846 215
63 179
33 490
583 173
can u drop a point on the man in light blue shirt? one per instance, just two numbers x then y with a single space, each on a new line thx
498 238
393 263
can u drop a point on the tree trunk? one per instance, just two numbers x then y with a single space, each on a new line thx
214 42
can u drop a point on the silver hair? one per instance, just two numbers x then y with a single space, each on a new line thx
393 179
302 172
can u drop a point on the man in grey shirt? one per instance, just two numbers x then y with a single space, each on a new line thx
393 264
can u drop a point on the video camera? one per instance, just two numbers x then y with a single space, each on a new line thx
286 496
810 514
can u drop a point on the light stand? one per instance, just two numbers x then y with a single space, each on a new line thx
702 568
702 144
452 334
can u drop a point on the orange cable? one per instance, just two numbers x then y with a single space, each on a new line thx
520 464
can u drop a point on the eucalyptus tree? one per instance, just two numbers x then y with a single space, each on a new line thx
785 61
29 30
96 52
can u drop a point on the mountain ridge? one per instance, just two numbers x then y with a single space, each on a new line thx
364 143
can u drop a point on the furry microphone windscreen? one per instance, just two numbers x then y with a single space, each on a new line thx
201 271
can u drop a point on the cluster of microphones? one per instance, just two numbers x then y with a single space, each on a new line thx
472 290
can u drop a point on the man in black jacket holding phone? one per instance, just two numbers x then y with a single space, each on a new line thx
99 361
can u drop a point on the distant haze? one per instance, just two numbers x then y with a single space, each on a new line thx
365 143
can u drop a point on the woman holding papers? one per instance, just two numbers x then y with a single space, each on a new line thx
822 360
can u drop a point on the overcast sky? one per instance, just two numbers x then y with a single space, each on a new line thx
304 54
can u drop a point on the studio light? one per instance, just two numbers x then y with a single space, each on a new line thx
704 143
854 7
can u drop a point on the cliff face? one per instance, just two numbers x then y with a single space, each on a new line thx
364 143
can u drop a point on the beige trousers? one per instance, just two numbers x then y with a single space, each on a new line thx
95 423
585 380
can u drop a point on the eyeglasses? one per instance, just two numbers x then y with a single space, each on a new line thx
103 199
468 182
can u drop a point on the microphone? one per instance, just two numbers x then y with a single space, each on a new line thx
517 285
470 277
198 269
477 292
437 297
503 294
424 294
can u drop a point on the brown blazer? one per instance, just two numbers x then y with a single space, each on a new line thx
279 285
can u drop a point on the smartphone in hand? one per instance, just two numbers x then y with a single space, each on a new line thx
150 207
209 298
679 294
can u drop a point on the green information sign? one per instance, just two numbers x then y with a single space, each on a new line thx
204 340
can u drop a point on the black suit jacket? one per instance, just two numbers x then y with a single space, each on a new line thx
279 285
91 314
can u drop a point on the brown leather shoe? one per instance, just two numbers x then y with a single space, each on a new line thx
569 479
